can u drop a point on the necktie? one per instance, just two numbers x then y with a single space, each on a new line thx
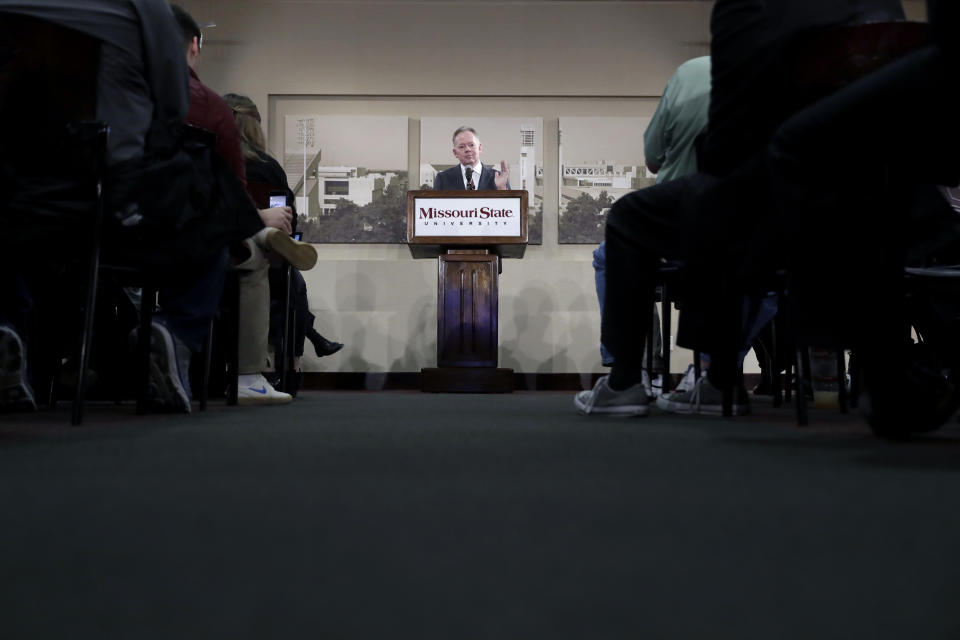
469 172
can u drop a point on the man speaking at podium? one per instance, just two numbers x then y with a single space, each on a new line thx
471 174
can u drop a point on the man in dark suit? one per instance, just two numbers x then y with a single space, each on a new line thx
470 173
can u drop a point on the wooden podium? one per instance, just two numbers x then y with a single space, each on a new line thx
469 232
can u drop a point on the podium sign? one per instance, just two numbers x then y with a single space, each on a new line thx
469 232
458 217
440 220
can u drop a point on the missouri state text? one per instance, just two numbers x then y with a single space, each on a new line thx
480 213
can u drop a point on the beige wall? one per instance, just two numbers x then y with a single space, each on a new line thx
438 58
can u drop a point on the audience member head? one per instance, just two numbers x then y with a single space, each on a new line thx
192 36
247 117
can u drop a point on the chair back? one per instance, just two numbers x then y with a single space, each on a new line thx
48 79
825 60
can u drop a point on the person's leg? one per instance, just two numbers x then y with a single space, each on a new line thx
189 300
643 227
254 325
600 282
16 393
254 329
867 200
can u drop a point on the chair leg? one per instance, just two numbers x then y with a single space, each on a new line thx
89 311
285 337
93 272
776 380
206 354
799 391
291 345
233 356
665 322
648 344
842 381
148 299
83 353
854 380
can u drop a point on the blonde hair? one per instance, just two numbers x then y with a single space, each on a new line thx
247 116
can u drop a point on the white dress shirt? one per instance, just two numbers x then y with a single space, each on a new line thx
477 168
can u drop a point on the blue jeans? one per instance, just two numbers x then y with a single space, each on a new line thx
600 279
189 302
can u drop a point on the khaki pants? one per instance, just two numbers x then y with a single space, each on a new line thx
254 311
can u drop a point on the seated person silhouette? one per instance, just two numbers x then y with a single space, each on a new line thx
142 95
717 220
263 169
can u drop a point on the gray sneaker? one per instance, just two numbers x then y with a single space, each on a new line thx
604 400
704 398
169 385
15 391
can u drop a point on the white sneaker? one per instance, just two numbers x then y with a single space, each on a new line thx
689 379
15 391
254 389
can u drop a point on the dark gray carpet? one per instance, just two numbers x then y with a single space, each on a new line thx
405 515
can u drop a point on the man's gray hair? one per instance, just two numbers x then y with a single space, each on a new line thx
461 130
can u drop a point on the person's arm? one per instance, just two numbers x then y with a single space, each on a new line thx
278 218
164 62
502 177
656 138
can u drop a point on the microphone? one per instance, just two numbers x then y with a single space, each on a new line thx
469 172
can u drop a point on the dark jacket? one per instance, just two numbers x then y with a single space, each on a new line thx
452 179
749 86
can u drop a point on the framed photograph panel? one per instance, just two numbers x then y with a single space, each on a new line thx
601 159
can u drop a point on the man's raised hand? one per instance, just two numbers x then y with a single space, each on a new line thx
502 179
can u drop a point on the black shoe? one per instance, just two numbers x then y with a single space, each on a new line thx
325 347
765 388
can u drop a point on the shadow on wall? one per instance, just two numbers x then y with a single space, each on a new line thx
357 337
356 292
420 349
530 317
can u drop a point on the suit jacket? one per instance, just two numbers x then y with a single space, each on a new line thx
452 179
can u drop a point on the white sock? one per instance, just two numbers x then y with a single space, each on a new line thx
247 379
